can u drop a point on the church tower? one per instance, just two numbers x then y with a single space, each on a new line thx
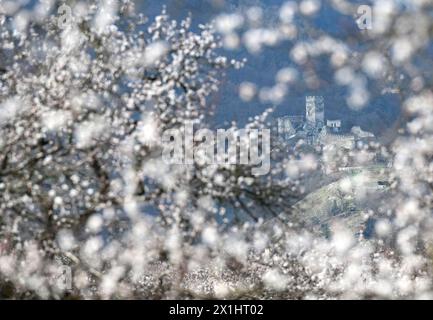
315 111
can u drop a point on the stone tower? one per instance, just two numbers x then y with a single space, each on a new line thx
315 111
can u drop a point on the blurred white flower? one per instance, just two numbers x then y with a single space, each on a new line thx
154 52
88 132
288 11
228 23
374 64
309 7
401 50
273 279
287 75
247 91
382 227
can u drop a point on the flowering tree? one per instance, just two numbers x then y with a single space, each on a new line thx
87 91
83 107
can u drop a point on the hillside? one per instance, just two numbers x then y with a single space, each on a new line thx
348 199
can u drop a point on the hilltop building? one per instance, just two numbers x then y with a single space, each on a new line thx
315 111
315 130
334 125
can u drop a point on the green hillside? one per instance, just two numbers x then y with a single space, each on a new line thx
347 200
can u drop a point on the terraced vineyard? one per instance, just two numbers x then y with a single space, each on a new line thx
347 200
